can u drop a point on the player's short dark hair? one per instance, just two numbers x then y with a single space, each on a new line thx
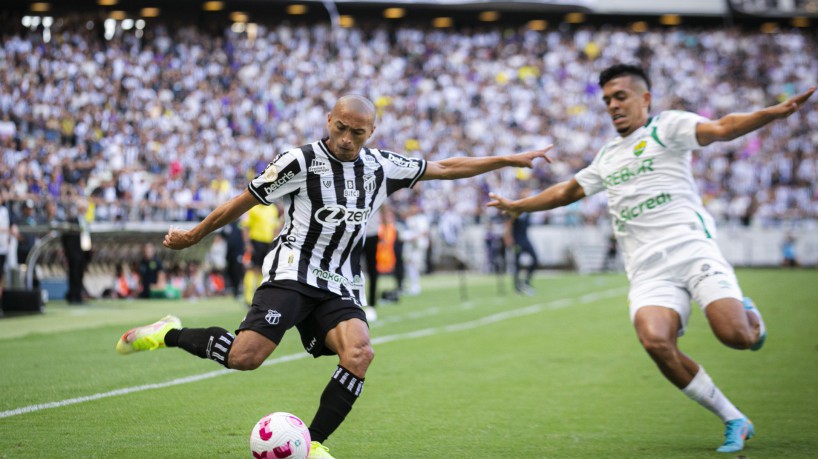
618 70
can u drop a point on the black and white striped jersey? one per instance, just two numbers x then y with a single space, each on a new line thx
327 203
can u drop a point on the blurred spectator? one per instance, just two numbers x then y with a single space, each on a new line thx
27 226
76 248
415 245
5 239
234 265
259 228
152 277
788 252
524 256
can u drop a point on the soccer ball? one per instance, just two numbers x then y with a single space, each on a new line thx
280 435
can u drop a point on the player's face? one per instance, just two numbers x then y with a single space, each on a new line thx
348 131
628 101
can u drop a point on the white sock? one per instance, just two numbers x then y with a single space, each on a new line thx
704 391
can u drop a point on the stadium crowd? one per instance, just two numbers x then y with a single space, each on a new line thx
164 127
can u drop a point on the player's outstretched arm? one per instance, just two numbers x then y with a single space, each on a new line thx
178 239
558 195
736 125
463 167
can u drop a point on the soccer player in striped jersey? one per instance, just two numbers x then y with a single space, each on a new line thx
312 275
666 235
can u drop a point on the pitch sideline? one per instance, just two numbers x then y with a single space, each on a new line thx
490 319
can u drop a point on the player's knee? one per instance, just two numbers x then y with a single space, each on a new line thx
358 358
244 360
658 347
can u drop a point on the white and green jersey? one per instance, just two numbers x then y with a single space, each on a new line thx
654 202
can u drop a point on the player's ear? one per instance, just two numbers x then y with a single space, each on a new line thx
646 98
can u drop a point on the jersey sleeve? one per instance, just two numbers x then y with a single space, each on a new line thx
401 171
678 129
281 177
589 178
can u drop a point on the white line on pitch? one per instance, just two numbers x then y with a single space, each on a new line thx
494 318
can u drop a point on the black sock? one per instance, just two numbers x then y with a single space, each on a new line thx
208 343
336 402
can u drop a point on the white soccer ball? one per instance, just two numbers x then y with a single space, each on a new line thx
280 435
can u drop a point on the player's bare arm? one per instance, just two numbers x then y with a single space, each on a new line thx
558 195
736 125
463 167
179 239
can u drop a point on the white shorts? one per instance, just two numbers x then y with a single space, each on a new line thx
694 270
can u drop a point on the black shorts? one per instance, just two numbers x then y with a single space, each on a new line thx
278 305
260 250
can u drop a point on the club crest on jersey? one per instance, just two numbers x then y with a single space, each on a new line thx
640 147
349 189
327 183
369 183
319 167
272 317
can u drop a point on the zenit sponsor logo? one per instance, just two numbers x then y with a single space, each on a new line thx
281 181
334 215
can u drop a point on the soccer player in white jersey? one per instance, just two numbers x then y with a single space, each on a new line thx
313 278
665 233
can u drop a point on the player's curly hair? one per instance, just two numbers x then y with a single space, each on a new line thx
618 70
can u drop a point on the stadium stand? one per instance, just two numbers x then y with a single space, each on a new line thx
158 121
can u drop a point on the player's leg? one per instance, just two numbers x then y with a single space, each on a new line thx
658 328
348 337
274 311
733 324
734 319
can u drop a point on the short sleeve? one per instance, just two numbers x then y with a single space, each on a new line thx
280 178
589 178
401 171
678 129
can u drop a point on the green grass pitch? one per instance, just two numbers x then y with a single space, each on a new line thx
556 375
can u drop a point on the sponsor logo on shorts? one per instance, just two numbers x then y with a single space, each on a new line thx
272 317
353 299
312 344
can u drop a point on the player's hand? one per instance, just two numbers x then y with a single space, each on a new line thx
178 239
502 204
527 159
791 105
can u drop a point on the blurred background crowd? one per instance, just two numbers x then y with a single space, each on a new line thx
163 123
165 126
